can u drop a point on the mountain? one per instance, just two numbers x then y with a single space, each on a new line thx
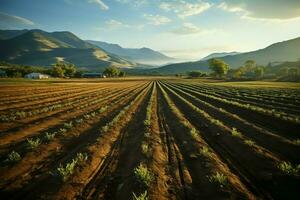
37 47
7 34
218 55
143 55
279 52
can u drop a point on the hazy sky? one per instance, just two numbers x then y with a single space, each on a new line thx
185 29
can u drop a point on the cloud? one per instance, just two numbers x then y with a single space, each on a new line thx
14 20
157 20
263 10
185 9
102 5
135 3
115 24
187 29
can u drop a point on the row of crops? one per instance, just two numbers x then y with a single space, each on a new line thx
164 139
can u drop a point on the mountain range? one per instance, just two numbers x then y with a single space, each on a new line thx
37 47
278 52
219 55
142 55
41 48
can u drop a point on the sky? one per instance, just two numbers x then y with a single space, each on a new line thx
183 29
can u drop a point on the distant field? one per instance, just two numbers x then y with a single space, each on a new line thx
172 138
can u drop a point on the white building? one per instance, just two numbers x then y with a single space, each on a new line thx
37 76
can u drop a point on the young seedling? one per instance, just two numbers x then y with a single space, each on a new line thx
194 133
49 136
235 133
81 157
297 142
68 125
143 196
147 122
288 168
143 175
13 157
32 144
65 171
249 142
219 178
145 149
205 152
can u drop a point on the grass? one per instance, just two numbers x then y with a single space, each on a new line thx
143 196
32 144
13 157
288 168
143 175
235 133
219 178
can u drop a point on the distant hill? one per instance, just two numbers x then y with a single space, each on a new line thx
218 55
8 34
37 47
279 52
142 55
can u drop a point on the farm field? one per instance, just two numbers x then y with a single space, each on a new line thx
149 137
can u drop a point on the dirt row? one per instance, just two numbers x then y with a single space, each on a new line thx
68 147
257 170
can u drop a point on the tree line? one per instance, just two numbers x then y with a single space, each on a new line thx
59 69
249 71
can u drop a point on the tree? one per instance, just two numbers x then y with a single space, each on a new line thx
219 67
63 69
122 74
249 64
195 74
259 72
58 70
70 70
113 72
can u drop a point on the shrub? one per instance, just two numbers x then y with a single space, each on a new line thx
13 157
143 196
143 175
32 144
218 178
288 168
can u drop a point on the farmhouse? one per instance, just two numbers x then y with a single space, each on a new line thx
37 76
